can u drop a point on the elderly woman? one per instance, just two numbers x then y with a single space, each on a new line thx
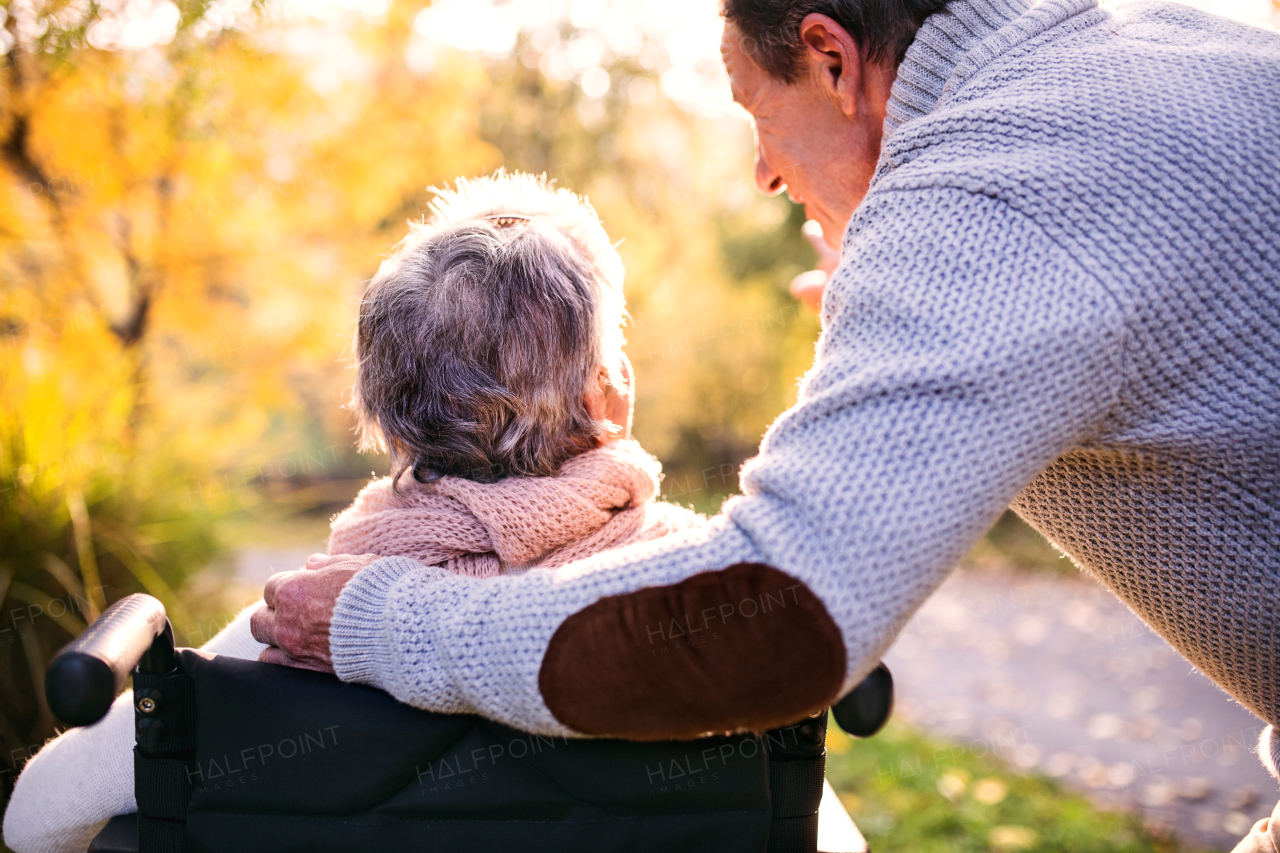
490 366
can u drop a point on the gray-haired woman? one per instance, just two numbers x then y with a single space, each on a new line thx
490 366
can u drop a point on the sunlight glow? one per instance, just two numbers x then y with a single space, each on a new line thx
677 40
135 25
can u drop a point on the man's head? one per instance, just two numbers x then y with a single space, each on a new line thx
815 76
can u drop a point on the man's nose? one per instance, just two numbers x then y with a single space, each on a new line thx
768 179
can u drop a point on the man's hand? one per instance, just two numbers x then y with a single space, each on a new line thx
299 609
808 286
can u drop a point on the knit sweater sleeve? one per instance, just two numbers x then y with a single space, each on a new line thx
963 351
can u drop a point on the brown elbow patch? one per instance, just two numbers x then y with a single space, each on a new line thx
747 648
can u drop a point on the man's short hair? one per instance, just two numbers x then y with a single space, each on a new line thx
479 337
770 29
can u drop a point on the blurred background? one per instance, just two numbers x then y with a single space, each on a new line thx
191 196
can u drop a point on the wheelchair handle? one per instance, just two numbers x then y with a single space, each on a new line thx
867 707
83 679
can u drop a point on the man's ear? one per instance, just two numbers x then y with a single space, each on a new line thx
833 60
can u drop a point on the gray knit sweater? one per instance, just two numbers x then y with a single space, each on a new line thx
1062 292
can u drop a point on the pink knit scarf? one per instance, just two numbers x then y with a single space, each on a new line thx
601 499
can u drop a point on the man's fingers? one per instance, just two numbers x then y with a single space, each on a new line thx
313 665
352 561
812 231
809 286
280 657
289 638
271 654
262 624
271 589
296 624
324 561
828 257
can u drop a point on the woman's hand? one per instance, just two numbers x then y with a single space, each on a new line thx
809 286
299 609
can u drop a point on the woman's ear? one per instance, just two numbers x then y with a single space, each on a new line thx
608 402
620 398
595 396
597 400
833 59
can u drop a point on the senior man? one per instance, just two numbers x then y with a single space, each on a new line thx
1059 291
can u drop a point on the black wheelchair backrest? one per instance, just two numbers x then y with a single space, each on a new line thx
237 755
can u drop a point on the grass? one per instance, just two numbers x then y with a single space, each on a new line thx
911 792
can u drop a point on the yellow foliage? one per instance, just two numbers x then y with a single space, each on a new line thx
184 235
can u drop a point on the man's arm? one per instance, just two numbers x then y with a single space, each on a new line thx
963 352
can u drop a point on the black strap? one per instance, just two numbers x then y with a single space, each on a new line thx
164 713
156 835
171 700
161 786
797 767
795 786
794 835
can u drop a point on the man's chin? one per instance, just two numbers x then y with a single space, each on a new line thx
833 226
831 232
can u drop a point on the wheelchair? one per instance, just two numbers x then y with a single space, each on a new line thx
235 755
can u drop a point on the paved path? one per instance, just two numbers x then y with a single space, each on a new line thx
1055 675
255 564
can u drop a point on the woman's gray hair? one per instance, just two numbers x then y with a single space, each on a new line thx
478 338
